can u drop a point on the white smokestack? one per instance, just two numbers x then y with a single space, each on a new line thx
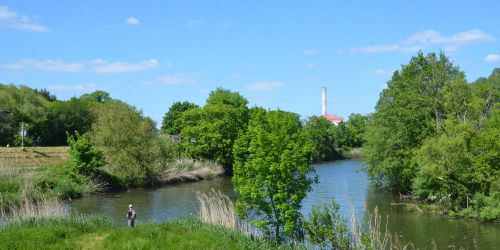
323 102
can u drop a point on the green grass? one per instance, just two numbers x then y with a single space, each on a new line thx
99 233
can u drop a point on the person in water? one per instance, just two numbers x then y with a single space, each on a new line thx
131 216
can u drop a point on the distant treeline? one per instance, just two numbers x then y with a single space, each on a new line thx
135 149
437 136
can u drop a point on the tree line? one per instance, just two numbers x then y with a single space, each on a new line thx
436 136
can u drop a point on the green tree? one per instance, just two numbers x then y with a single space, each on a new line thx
357 128
97 96
23 104
66 117
129 142
210 132
320 133
272 174
174 113
409 111
222 96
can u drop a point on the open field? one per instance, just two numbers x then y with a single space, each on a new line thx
33 156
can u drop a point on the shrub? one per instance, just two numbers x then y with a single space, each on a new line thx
326 227
84 157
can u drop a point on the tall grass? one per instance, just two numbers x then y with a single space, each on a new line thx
190 164
29 209
218 209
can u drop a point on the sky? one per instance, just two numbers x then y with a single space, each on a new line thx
278 54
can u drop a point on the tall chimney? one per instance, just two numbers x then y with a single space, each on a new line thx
323 102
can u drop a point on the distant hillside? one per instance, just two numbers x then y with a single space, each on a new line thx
33 156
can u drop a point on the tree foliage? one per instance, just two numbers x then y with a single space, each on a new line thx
84 157
409 110
209 132
326 227
321 134
129 142
46 119
438 136
272 174
169 125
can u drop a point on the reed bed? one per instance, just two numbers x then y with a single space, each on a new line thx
379 238
28 209
218 209
190 164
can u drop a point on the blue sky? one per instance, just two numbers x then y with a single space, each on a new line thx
278 54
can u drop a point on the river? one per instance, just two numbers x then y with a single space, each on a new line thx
340 180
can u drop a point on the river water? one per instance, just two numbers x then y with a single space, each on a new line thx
340 180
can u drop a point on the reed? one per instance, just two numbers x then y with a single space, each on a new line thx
190 164
218 209
28 208
375 236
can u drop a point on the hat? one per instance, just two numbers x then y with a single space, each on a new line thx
130 205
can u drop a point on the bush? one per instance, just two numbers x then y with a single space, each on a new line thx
326 227
62 182
84 157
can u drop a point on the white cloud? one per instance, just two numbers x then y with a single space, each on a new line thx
94 66
46 65
132 21
21 22
166 80
492 58
101 66
265 85
194 23
310 52
427 38
380 72
69 88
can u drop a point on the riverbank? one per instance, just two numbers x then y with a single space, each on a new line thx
37 173
100 233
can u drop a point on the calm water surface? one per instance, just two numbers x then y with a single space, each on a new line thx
339 180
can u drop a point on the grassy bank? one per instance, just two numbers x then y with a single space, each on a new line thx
42 173
99 233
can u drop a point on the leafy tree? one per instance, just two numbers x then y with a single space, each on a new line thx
46 94
97 96
66 117
83 156
210 132
326 227
23 104
6 130
129 142
409 111
357 128
174 113
320 133
222 96
272 174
